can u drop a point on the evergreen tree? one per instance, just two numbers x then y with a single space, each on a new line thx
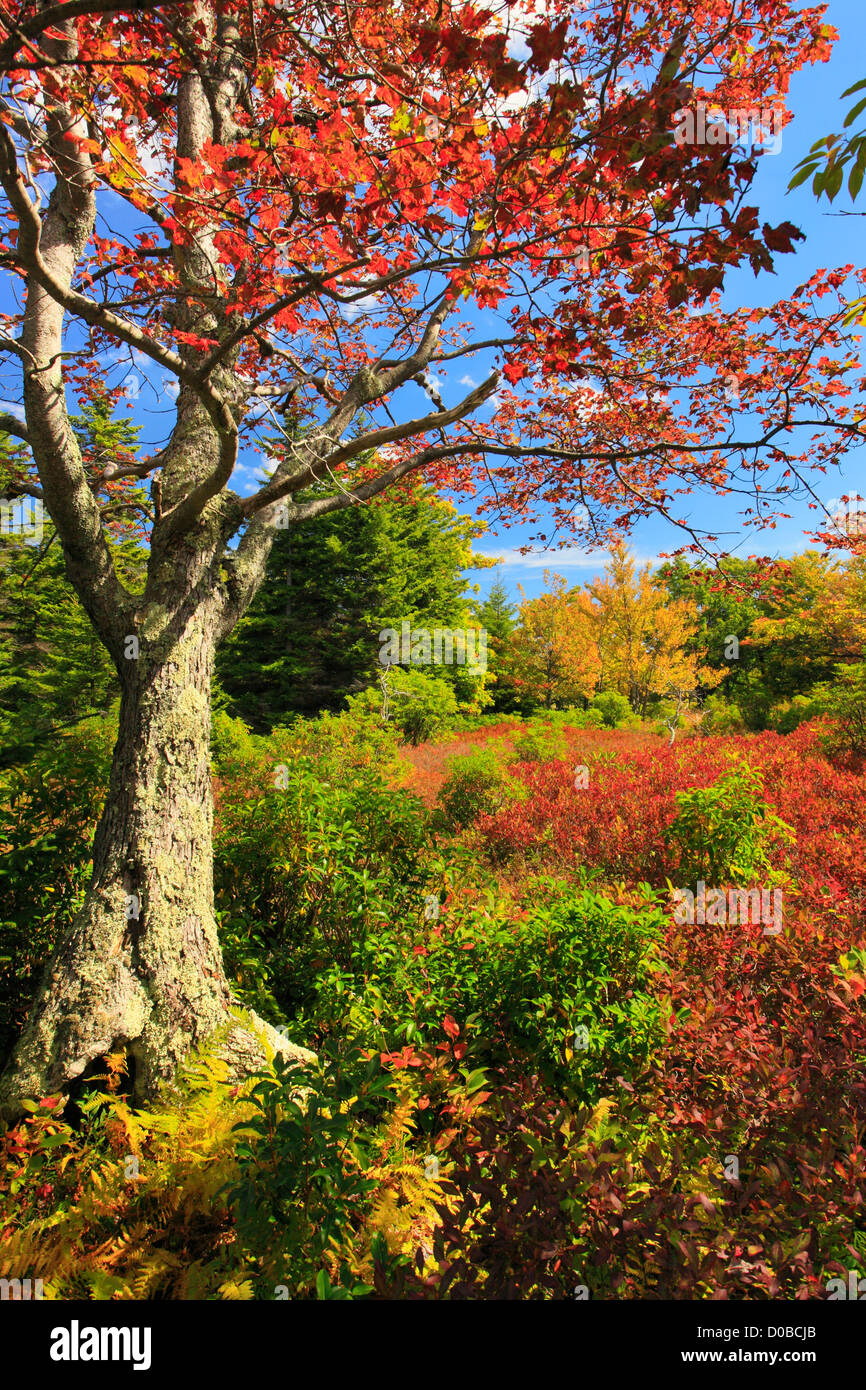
498 617
311 636
54 670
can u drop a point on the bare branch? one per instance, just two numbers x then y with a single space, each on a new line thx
373 439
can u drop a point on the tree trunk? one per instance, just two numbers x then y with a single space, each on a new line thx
140 967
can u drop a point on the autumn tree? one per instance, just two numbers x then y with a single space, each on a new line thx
297 213
793 621
814 619
551 654
642 635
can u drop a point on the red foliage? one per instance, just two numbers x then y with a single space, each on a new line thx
618 822
762 1060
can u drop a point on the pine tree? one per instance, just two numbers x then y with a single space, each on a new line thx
498 617
54 671
311 636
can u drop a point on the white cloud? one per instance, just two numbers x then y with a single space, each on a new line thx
367 304
569 557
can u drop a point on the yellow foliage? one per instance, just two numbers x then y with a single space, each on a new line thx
551 652
118 1236
641 634
160 1227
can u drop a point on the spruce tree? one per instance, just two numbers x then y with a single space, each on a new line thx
312 634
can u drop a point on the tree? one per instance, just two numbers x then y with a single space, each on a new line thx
311 635
642 635
814 618
290 210
54 671
552 655
793 621
496 615
725 605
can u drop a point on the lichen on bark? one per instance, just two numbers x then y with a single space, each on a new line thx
152 982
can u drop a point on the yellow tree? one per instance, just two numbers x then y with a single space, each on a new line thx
818 618
640 635
552 653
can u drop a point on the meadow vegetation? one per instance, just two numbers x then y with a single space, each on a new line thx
530 1079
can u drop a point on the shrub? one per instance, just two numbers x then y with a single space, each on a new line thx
845 703
615 710
571 718
342 745
725 833
721 717
231 743
301 1191
790 714
418 704
517 979
306 867
477 784
584 718
531 975
540 744
304 1180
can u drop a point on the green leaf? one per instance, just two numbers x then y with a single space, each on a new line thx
804 172
833 181
475 1080
854 112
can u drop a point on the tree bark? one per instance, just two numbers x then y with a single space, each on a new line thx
140 967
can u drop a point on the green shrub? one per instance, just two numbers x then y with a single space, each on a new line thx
572 718
301 1192
790 714
477 784
342 745
726 833
306 868
520 980
845 703
721 717
585 718
615 710
540 744
417 704
231 742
